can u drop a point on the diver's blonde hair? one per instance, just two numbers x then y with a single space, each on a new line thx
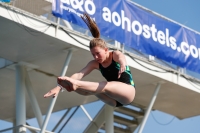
97 41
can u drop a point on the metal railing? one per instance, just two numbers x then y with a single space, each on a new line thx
23 127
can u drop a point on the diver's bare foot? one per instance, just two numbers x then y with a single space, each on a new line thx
68 83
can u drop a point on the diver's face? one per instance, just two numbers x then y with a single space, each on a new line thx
99 53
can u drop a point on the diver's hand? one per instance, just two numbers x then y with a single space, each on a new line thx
121 70
54 92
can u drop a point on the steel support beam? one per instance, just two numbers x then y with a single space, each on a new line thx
32 131
109 119
33 100
61 120
35 129
20 98
64 70
86 113
68 119
141 127
99 119
24 126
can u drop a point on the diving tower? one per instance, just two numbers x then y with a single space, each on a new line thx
36 48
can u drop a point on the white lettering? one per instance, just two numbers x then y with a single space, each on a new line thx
87 7
76 4
194 51
66 2
125 19
167 37
106 14
199 53
153 31
114 16
72 10
146 32
137 31
185 48
161 37
172 41
93 8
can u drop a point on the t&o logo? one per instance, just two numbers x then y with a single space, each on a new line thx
87 6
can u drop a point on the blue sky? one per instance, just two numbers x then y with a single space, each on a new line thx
185 12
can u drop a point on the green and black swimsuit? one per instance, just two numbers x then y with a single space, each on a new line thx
111 73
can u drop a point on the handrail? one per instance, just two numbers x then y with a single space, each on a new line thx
29 127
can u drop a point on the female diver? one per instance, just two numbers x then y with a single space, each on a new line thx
118 90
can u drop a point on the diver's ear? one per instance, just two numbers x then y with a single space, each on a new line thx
106 49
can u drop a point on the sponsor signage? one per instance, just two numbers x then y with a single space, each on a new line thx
136 28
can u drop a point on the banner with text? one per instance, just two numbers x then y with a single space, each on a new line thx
136 28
